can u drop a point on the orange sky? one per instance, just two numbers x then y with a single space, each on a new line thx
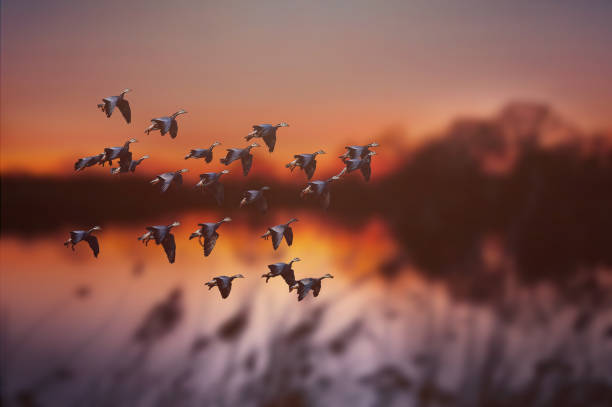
335 71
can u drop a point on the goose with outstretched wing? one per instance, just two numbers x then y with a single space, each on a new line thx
267 132
166 124
161 235
207 235
77 236
109 103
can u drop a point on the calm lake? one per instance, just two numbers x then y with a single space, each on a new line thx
128 327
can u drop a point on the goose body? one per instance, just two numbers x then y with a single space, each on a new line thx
207 235
161 234
357 151
77 236
284 270
278 232
166 124
255 196
205 153
109 103
267 132
307 162
244 154
168 178
126 164
85 162
362 164
114 153
320 189
304 286
223 283
210 183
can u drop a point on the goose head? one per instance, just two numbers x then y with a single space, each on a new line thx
126 90
373 144
237 276
144 157
215 144
95 228
282 124
254 145
264 188
226 219
225 172
319 152
326 276
295 259
182 171
181 111
291 221
132 140
174 224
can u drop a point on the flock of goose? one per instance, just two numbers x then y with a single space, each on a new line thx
355 158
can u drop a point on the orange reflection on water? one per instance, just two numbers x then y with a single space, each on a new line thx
39 274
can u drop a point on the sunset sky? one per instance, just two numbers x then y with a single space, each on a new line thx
336 71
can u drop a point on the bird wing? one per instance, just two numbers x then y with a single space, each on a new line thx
207 228
247 162
124 108
225 286
195 153
366 170
277 236
318 186
109 105
250 195
77 235
310 168
208 156
134 164
166 184
164 124
232 155
209 243
81 163
208 178
173 128
112 152
276 268
303 290
355 151
218 192
263 204
352 164
159 233
305 159
325 199
270 139
316 288
288 275
93 243
169 247
125 162
289 235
